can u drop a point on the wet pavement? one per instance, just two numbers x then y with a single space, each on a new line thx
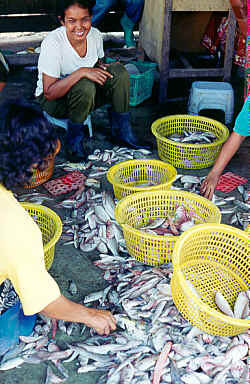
72 264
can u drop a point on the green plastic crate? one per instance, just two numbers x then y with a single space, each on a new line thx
141 84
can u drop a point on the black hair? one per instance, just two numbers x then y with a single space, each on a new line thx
65 4
26 138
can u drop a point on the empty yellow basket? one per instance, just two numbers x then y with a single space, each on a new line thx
128 177
213 258
190 156
50 225
136 210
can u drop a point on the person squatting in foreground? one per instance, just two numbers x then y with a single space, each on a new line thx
72 80
26 288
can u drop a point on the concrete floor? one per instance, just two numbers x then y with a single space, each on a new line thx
72 264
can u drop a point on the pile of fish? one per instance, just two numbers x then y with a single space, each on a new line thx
241 305
94 225
239 210
108 157
190 137
153 342
180 222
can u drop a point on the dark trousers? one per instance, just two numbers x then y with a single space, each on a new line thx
87 95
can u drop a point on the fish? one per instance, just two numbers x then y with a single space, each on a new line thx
72 287
241 306
101 214
11 363
189 137
138 295
223 304
161 362
52 378
242 205
170 225
175 376
108 204
93 297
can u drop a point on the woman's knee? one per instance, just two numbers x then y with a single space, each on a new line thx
119 71
84 88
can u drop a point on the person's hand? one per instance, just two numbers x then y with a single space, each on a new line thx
102 321
209 184
97 75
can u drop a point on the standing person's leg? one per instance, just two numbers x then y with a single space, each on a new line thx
116 91
132 14
99 10
134 9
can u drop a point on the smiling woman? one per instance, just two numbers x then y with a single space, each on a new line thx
72 80
77 21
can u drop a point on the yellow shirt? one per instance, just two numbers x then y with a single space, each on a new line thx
22 258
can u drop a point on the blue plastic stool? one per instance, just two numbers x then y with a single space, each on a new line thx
13 323
212 95
63 123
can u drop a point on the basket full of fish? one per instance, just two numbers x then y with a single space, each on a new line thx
133 176
211 279
153 221
189 141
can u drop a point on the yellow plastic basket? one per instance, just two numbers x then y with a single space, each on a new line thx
136 210
190 156
50 225
127 175
213 258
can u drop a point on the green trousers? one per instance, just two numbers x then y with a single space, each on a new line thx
87 95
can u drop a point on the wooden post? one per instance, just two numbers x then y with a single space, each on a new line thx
165 51
229 50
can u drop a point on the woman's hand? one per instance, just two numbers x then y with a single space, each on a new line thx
97 75
63 309
102 321
209 184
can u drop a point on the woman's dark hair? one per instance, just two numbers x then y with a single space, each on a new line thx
26 138
65 4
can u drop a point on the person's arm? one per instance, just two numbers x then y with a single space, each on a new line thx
63 309
54 88
228 150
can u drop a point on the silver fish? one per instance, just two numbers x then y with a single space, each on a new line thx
223 304
93 297
12 363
